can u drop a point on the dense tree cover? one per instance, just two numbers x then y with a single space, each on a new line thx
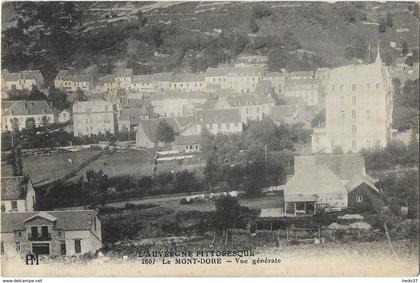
230 214
246 161
319 119
261 11
164 132
394 155
58 98
358 49
402 190
406 104
46 34
22 94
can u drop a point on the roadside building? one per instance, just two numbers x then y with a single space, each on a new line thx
22 114
277 80
307 89
251 107
225 121
217 77
129 118
17 194
93 117
23 80
70 232
67 80
146 130
190 143
331 181
143 83
358 109
176 103
244 79
188 82
300 75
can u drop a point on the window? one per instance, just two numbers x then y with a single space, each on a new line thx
359 198
341 87
377 85
63 248
342 114
41 248
353 114
2 248
59 233
353 100
353 87
368 114
317 139
17 246
353 129
94 223
20 234
196 146
210 126
34 232
186 147
14 205
77 246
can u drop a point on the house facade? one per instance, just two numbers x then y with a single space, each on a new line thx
72 232
225 121
93 117
190 143
70 81
358 109
17 194
307 89
23 114
176 103
188 82
23 80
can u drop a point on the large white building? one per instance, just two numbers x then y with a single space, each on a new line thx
21 114
93 117
358 109
70 81
23 80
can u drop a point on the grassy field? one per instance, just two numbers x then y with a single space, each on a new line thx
133 163
49 167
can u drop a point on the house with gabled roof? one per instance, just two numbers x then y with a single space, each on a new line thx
225 121
69 80
22 114
17 194
23 80
146 130
70 232
331 181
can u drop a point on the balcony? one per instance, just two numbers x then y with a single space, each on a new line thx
39 237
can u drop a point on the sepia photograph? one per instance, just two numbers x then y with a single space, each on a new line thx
209 139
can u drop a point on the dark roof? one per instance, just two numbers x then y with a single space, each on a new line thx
13 188
35 107
133 114
190 139
345 166
23 75
217 116
66 220
188 78
357 180
301 74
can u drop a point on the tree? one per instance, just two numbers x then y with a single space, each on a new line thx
58 98
389 21
164 132
260 11
382 25
185 181
97 183
17 162
80 96
253 25
30 123
357 50
319 119
404 49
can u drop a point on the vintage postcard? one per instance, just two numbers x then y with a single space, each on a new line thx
172 138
